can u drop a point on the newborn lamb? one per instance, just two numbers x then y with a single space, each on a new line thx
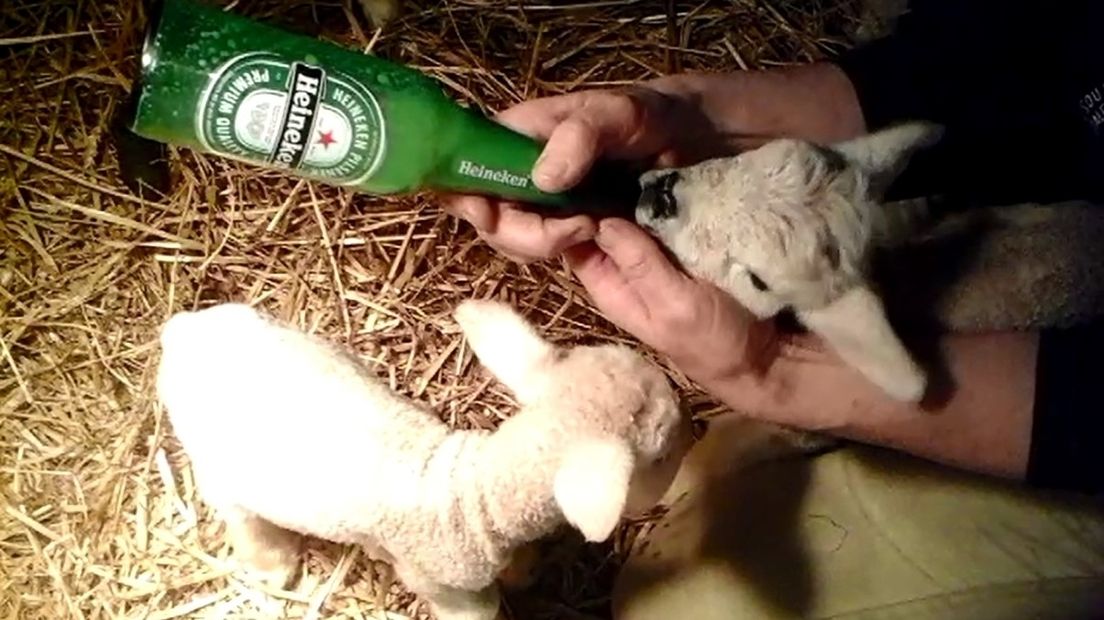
287 435
792 224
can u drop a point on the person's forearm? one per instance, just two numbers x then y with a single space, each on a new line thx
815 102
984 424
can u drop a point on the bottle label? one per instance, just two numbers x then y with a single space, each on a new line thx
261 108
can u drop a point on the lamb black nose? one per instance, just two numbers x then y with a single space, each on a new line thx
657 196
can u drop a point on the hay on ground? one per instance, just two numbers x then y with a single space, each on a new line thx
99 516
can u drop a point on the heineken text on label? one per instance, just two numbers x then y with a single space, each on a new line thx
476 171
292 115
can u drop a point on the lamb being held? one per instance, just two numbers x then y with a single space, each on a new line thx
792 224
287 435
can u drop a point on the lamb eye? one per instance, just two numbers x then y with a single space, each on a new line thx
758 282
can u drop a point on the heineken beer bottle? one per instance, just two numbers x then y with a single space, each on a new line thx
223 84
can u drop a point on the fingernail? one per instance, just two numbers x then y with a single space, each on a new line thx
461 209
548 173
468 216
607 232
465 209
585 231
609 225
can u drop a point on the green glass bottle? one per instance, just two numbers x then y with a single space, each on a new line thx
223 84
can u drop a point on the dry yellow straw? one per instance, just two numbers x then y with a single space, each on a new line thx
99 515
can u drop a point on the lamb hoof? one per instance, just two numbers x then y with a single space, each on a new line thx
276 569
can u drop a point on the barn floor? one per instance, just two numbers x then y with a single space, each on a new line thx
99 515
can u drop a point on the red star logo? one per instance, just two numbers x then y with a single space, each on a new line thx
325 138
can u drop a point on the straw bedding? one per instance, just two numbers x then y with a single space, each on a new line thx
99 516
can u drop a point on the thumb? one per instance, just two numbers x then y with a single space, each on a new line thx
591 123
568 155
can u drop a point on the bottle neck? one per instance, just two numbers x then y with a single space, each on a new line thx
480 156
610 189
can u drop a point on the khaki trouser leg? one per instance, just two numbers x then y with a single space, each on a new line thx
861 534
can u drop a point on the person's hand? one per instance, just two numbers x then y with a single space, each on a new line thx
704 331
577 128
671 121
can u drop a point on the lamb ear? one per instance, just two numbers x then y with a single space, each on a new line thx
592 485
884 154
507 344
855 325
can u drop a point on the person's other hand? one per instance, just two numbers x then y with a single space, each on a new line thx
704 331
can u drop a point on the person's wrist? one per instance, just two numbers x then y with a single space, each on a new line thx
751 357
843 115
656 109
710 372
781 384
813 101
692 105
739 386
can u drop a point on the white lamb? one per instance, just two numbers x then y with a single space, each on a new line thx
792 224
288 435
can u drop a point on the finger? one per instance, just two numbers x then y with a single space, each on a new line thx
569 154
642 263
607 287
476 210
595 123
593 267
668 159
527 233
564 233
538 118
521 259
483 216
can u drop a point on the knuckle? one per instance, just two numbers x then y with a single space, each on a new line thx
578 129
633 110
636 267
679 315
476 213
510 249
621 108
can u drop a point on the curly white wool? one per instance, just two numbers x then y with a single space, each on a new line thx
288 435
791 224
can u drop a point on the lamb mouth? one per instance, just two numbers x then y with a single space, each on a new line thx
657 199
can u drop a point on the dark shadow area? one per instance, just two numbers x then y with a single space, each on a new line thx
752 523
1012 267
914 281
753 527
1019 267
572 581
